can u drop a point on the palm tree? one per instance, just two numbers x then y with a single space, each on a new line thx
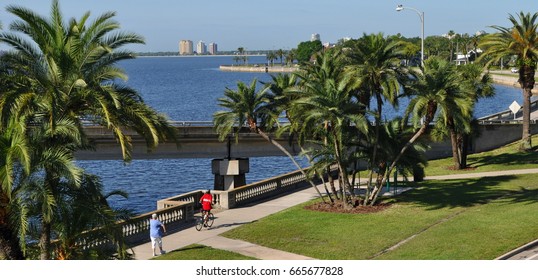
14 159
70 70
89 210
326 109
280 54
65 72
475 85
248 106
291 57
436 95
271 56
519 40
376 62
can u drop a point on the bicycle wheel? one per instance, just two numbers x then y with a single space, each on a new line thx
199 223
210 220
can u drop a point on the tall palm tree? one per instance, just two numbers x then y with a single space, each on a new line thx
475 85
248 106
70 71
327 108
66 72
520 40
376 62
437 95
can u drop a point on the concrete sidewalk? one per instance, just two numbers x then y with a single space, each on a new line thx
227 220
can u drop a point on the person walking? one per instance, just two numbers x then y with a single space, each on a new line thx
156 232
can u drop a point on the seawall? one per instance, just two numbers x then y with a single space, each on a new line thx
509 81
260 68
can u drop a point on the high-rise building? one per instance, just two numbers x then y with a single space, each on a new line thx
185 47
213 48
315 37
201 48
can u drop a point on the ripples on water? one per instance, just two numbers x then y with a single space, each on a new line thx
186 89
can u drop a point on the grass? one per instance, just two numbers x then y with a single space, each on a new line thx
504 158
464 219
456 219
201 252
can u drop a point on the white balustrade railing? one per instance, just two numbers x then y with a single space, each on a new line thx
177 212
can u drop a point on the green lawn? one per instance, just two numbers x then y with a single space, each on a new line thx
456 219
466 219
504 158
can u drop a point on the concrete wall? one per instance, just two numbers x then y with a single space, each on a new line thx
202 142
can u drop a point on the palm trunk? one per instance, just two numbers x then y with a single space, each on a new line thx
44 241
464 147
344 186
526 144
455 149
526 81
331 183
374 153
429 117
276 144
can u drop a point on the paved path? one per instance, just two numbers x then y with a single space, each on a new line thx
229 219
232 218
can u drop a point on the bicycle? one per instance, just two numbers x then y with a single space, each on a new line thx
200 220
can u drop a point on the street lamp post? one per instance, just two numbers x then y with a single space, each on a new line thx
421 16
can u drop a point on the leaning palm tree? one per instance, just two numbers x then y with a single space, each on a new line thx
436 95
520 40
248 106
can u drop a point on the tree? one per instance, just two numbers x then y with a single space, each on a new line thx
271 56
519 40
14 159
280 54
475 85
305 50
248 106
291 57
67 72
436 95
327 110
375 61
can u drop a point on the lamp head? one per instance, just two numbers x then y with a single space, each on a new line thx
399 8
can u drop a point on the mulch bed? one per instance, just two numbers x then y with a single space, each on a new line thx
338 207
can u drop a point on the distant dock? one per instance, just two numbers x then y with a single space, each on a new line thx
257 68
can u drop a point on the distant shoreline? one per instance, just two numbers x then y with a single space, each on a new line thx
205 55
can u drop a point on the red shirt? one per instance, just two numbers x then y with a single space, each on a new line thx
206 201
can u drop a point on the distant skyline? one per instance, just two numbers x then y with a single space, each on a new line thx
280 24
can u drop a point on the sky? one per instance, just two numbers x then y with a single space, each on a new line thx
281 24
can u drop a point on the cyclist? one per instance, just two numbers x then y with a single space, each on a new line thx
207 201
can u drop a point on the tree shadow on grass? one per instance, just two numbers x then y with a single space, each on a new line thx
523 195
456 193
507 159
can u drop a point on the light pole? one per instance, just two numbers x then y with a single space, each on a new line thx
421 16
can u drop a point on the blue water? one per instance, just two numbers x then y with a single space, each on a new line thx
186 89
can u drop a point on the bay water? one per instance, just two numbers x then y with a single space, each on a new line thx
187 89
